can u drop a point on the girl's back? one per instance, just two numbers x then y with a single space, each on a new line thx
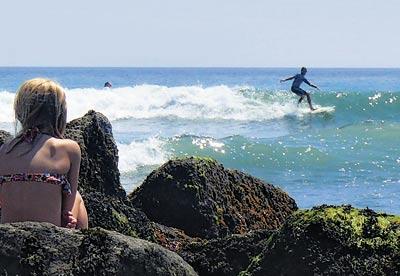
39 169
31 200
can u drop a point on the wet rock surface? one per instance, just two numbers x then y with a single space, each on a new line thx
99 165
332 240
116 214
201 197
43 249
225 256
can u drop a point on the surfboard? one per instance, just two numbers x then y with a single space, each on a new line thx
323 109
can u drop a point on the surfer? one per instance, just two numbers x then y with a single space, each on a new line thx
298 80
108 84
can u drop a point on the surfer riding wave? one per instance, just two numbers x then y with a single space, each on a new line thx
298 79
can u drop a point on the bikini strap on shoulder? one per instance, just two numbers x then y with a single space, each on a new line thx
30 134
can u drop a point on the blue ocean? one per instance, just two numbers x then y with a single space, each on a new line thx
246 119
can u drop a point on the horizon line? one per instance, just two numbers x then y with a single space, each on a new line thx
199 67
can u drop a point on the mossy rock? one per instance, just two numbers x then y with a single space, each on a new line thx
332 240
115 214
201 197
224 256
43 249
99 165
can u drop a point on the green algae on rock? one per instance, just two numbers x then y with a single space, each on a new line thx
201 197
99 165
116 214
339 240
224 256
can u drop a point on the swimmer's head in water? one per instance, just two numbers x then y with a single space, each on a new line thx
303 70
40 103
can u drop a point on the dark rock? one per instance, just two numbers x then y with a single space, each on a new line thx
99 181
100 186
332 240
4 136
99 166
43 249
205 200
224 256
116 214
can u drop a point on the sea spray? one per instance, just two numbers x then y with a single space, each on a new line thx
138 154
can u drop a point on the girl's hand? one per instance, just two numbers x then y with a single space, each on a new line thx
68 220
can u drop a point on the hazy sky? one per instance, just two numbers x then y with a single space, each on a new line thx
279 33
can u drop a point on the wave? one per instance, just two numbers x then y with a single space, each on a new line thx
154 151
139 154
152 101
210 103
359 150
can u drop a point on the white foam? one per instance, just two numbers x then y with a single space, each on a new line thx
186 102
6 107
137 154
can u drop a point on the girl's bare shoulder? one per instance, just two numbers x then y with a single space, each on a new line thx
70 146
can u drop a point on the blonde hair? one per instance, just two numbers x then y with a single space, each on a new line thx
40 104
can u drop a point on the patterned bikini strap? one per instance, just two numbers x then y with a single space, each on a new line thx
57 179
30 134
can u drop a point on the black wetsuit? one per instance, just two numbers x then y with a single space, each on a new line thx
298 80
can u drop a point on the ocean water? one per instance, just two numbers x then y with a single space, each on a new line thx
246 119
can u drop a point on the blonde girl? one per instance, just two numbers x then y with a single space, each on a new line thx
39 169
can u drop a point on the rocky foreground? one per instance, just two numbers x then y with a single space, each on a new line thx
192 216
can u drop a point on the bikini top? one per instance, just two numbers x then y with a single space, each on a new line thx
56 179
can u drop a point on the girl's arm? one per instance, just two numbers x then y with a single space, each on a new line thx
68 201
